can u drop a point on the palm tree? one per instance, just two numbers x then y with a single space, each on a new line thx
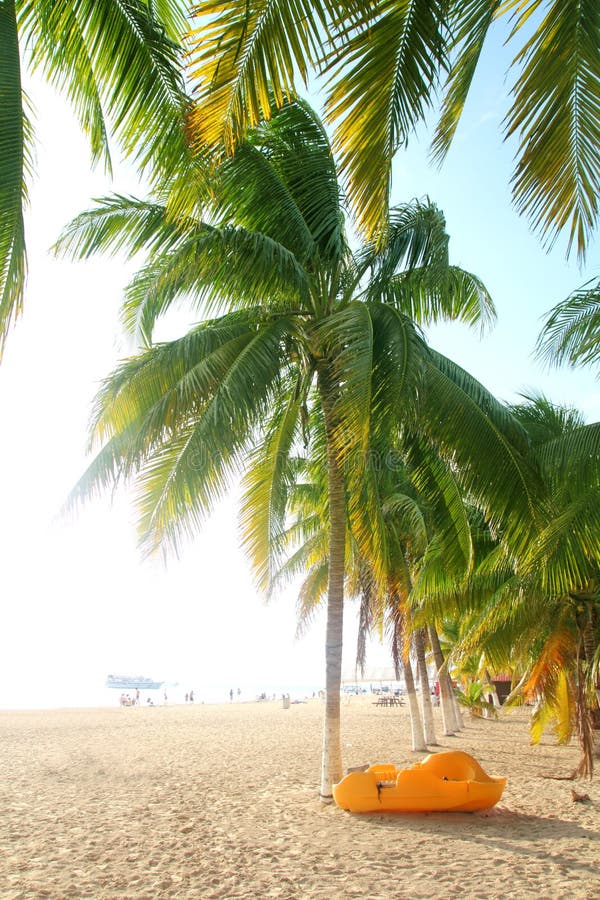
299 329
538 612
411 515
383 63
118 64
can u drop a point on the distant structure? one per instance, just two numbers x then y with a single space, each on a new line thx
132 682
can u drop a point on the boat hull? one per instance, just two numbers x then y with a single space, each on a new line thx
450 781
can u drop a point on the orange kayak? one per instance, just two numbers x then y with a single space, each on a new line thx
447 781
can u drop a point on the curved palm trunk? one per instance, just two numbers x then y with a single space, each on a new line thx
416 725
450 724
584 714
427 709
458 716
331 762
591 636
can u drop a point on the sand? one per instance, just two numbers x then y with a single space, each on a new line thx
202 802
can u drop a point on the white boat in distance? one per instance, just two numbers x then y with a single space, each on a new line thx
133 682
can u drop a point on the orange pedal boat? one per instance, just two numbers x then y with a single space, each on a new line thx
447 781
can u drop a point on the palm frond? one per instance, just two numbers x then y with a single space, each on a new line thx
573 459
488 447
180 483
470 23
312 594
115 63
120 223
414 236
408 265
565 553
455 295
283 182
571 331
216 269
382 76
13 154
177 417
265 489
439 489
240 54
556 115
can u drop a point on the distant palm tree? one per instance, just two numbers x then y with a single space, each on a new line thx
538 612
301 330
118 63
383 63
419 505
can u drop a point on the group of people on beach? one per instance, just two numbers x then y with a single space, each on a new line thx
128 700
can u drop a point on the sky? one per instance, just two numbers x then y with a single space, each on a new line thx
79 601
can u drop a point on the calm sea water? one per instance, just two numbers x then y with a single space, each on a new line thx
94 693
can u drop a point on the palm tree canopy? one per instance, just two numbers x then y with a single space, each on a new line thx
119 66
290 305
538 612
383 63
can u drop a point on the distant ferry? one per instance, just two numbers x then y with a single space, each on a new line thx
132 682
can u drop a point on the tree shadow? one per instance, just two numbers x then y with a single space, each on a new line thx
498 829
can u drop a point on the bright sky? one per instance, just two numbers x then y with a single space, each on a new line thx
78 600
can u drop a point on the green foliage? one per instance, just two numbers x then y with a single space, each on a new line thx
571 333
473 697
119 66
383 64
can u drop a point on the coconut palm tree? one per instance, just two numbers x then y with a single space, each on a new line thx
298 327
411 516
119 66
538 612
383 62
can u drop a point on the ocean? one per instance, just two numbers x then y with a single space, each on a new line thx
94 693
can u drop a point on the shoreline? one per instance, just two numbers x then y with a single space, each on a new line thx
220 801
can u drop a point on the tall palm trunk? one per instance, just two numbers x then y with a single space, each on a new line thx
401 658
331 762
416 724
591 636
427 709
449 720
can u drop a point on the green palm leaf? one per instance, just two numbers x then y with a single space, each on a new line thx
13 263
556 115
382 76
571 332
471 21
115 64
489 448
240 54
266 486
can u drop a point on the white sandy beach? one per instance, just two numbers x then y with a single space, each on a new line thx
195 802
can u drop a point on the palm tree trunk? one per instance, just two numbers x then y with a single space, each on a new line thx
450 724
416 725
428 725
331 762
458 717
